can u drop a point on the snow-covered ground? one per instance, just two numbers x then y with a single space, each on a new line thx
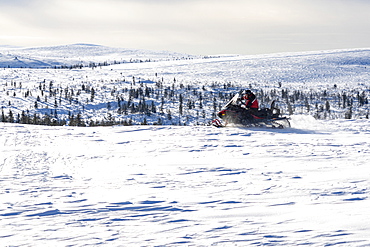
325 84
186 186
78 54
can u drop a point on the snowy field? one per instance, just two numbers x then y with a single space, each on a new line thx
324 84
183 185
186 186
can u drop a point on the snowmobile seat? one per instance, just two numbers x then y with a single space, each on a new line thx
264 113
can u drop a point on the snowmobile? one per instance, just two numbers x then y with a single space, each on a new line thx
233 113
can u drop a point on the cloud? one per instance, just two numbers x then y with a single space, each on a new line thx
194 26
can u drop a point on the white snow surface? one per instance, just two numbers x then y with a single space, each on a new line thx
75 54
186 186
336 72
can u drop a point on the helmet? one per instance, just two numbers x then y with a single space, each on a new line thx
248 91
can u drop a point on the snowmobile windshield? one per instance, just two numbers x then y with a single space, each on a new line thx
233 101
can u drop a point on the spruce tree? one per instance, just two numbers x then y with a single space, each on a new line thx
180 104
3 118
10 117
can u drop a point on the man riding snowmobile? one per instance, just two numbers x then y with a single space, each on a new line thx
250 99
249 102
243 109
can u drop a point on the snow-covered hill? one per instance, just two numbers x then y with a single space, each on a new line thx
79 55
169 90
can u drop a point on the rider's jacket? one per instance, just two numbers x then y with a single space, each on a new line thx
251 101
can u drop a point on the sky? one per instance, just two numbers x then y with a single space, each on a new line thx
199 27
